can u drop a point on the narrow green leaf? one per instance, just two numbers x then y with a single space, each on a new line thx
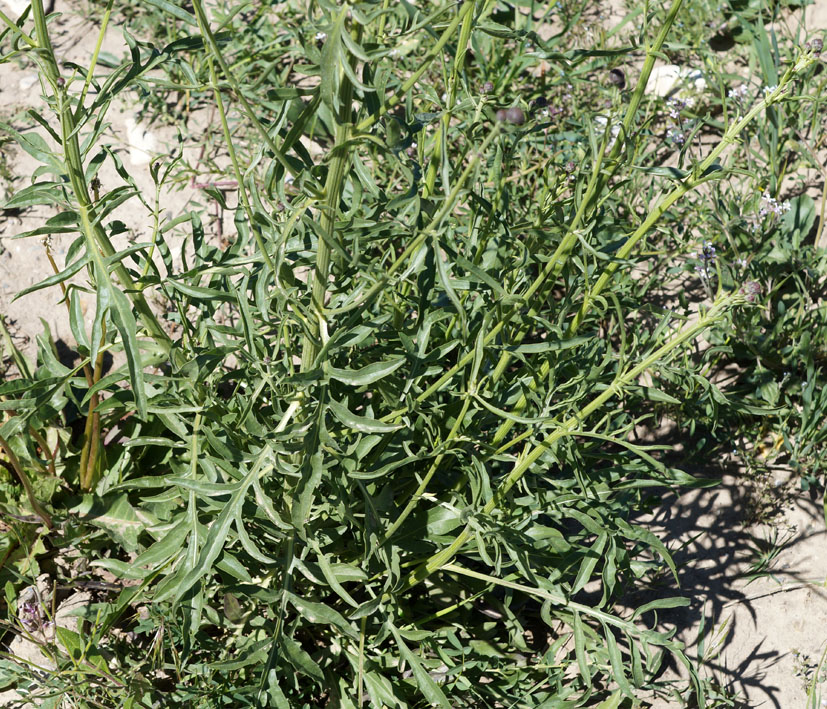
330 61
77 321
430 689
445 281
300 659
200 292
38 193
590 560
612 702
366 375
360 423
125 322
166 548
616 661
175 11
70 641
673 602
580 650
654 394
64 275
306 489
217 535
549 345
330 576
319 613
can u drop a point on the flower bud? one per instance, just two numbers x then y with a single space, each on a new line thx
751 291
515 115
617 78
488 87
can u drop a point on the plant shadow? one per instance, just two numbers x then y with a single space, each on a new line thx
728 551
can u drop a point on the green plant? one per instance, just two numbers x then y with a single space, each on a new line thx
388 457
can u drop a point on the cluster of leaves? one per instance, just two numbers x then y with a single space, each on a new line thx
389 455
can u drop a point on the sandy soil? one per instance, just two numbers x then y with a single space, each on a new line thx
777 624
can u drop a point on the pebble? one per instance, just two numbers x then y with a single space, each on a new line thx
142 143
27 82
16 6
666 79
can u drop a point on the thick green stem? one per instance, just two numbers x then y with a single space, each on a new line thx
691 182
97 240
595 187
334 186
697 177
91 431
442 131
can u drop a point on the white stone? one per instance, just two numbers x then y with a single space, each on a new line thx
668 78
16 6
600 122
694 77
27 82
142 143
663 80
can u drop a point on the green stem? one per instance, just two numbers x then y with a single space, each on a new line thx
413 247
459 58
334 186
425 62
697 177
690 183
532 453
420 490
12 26
94 61
204 26
242 188
595 187
97 240
91 431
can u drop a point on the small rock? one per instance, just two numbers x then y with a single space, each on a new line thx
663 80
16 6
601 122
27 81
142 143
668 78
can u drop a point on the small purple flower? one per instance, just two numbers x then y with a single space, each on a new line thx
31 615
751 290
707 253
768 210
706 256
677 132
739 93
